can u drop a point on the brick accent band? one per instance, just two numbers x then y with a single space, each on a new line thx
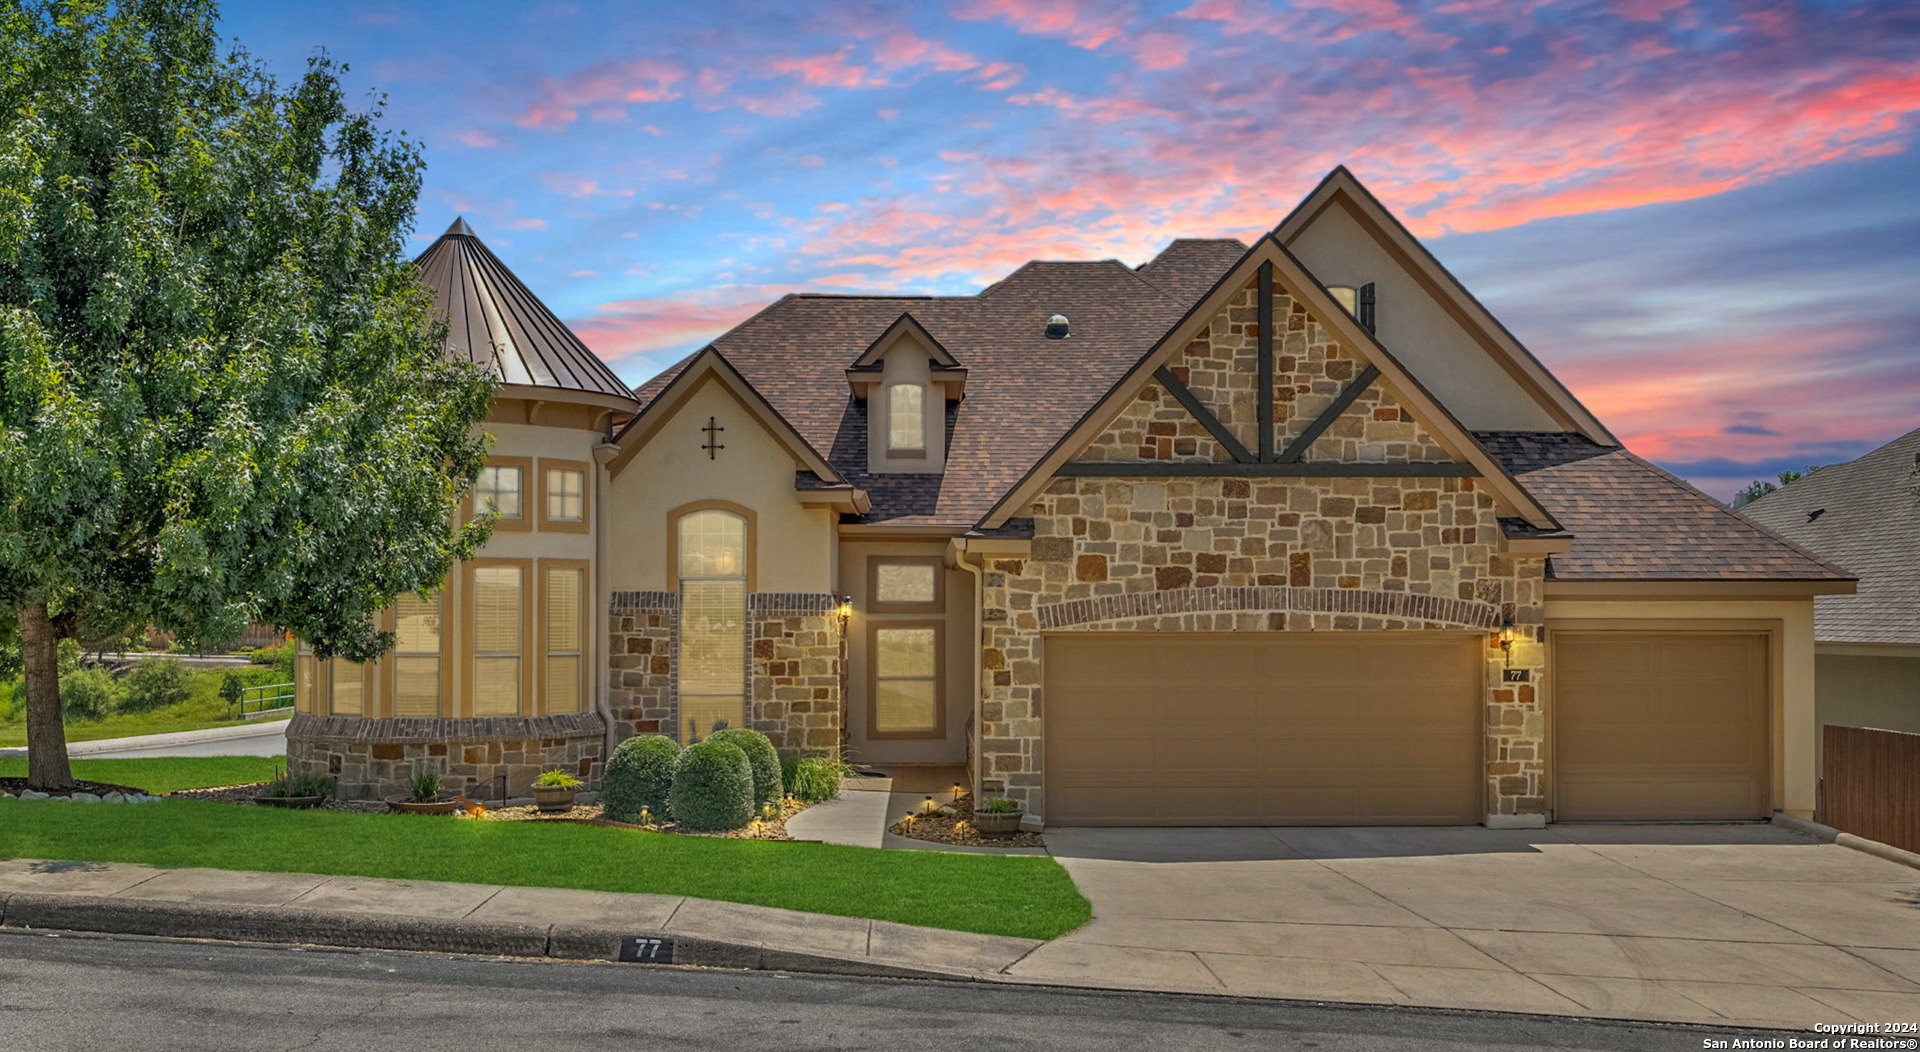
424 729
791 604
1408 605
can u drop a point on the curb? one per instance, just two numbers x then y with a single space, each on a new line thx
280 924
1857 843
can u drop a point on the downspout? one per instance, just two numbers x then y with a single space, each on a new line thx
957 552
603 452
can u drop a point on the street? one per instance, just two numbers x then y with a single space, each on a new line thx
67 991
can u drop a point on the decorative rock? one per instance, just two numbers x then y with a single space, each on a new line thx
85 798
113 798
33 794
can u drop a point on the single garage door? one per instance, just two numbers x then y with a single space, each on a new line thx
1660 726
1345 728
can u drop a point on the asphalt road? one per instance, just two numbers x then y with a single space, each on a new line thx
84 992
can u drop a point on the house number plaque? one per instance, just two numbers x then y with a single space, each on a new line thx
1516 675
641 949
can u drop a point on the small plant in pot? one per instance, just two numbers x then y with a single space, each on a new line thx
296 790
555 789
996 814
426 795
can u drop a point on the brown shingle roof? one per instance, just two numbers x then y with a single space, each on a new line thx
1189 266
1869 522
495 321
1632 521
1023 390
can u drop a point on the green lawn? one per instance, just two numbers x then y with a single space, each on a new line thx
1028 896
203 708
164 774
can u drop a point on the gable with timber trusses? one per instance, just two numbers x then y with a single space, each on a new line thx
1327 405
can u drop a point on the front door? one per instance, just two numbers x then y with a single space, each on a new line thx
909 655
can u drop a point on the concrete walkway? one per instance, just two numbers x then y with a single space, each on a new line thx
243 739
1744 924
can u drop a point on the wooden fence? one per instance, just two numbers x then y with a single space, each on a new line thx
1870 785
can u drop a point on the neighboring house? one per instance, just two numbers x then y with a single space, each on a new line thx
1294 533
1864 515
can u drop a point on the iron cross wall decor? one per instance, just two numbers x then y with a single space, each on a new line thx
713 430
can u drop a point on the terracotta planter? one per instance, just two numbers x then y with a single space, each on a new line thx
989 824
408 805
553 798
289 801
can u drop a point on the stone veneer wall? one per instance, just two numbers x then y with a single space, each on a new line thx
373 759
1262 554
794 666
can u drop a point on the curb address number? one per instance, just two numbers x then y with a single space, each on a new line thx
644 950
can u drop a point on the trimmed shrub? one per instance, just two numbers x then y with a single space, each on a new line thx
712 786
639 774
768 784
816 778
156 683
90 693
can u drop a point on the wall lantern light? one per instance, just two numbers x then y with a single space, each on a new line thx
1507 635
846 609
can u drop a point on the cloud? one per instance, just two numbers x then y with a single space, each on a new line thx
1084 25
830 70
614 84
647 325
479 138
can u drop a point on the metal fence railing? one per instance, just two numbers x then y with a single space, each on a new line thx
263 698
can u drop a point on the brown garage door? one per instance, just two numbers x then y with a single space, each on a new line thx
1343 728
1660 726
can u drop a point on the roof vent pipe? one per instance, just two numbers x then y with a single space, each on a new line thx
1057 327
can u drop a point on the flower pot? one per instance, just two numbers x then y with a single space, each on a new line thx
408 805
987 824
553 798
289 801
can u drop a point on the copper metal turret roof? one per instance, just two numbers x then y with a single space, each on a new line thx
497 322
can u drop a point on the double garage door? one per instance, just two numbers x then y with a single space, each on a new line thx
1385 728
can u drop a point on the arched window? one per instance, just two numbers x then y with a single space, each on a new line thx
713 552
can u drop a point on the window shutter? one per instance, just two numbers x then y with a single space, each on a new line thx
1366 306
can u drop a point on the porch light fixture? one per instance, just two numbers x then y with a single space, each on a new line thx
1507 634
846 609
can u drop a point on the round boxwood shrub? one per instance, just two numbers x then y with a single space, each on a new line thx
712 786
768 785
639 775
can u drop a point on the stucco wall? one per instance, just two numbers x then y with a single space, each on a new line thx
1420 332
1858 690
794 544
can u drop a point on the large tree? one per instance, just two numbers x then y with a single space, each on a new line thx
222 392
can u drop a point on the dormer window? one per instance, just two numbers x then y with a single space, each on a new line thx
906 419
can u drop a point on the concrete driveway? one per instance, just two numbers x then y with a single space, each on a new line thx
1747 924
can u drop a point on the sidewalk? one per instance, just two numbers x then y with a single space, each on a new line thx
242 739
498 920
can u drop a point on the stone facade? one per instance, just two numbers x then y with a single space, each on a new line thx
794 664
372 759
1260 554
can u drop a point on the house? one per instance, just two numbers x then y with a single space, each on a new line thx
1864 515
1284 533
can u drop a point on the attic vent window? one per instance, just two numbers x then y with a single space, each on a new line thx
1355 301
1057 327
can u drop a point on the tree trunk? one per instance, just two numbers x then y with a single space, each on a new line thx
47 769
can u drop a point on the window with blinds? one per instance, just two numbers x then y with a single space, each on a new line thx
306 674
416 654
497 489
566 495
564 614
349 694
497 635
906 675
906 417
713 622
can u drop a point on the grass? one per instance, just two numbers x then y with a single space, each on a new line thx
164 774
203 708
1028 896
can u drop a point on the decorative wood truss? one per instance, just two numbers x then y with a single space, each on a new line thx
1266 461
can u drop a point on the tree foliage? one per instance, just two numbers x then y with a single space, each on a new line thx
222 392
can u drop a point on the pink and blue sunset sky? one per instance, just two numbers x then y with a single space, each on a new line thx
1703 216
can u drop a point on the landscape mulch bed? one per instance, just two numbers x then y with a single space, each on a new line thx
957 828
15 786
774 828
